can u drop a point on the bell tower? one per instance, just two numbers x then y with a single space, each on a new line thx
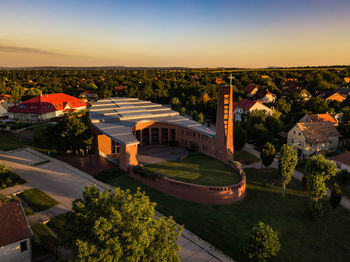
224 124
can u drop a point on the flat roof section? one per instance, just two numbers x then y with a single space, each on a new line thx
116 116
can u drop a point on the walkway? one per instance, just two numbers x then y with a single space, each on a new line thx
345 202
66 183
153 154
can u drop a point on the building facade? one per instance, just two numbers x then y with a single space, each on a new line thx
245 106
310 138
122 125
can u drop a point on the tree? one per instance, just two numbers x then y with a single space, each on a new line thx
201 118
72 133
318 171
267 154
336 196
175 103
120 226
263 242
286 165
239 136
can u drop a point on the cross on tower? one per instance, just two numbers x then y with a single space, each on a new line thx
231 77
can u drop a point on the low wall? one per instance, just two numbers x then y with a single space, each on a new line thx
214 195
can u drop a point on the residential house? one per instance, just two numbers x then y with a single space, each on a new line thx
292 88
46 107
344 91
5 105
119 89
15 233
335 96
319 118
218 81
265 96
251 89
88 96
309 138
342 161
245 106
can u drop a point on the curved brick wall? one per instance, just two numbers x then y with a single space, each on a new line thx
215 195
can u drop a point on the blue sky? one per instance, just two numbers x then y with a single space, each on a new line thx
174 33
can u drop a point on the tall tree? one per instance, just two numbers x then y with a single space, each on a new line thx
267 154
120 226
286 165
318 171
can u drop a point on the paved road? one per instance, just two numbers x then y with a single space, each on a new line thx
345 202
66 183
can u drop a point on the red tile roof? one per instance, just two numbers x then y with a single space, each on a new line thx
342 158
323 117
262 93
47 103
13 223
4 97
249 88
246 104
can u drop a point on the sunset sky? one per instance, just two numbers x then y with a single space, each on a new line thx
216 33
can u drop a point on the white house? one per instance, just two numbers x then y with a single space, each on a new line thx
46 107
245 106
342 161
15 234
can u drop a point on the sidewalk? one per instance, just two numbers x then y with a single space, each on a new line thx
345 202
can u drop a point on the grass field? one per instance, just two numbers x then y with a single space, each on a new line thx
37 200
245 156
198 169
227 227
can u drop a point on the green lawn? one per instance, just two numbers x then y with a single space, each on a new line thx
245 156
198 169
9 178
37 199
10 142
227 226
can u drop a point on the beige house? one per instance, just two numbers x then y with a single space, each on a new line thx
265 96
319 118
15 234
245 106
309 138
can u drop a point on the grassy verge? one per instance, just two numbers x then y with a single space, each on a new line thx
244 156
9 178
198 169
227 227
37 200
43 237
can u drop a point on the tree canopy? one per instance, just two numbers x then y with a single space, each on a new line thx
120 226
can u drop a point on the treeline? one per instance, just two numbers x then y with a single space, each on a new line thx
195 89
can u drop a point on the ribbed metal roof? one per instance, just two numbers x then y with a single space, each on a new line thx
116 116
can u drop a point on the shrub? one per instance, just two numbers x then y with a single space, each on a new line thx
335 196
263 242
267 154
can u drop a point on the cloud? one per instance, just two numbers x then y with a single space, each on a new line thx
17 49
